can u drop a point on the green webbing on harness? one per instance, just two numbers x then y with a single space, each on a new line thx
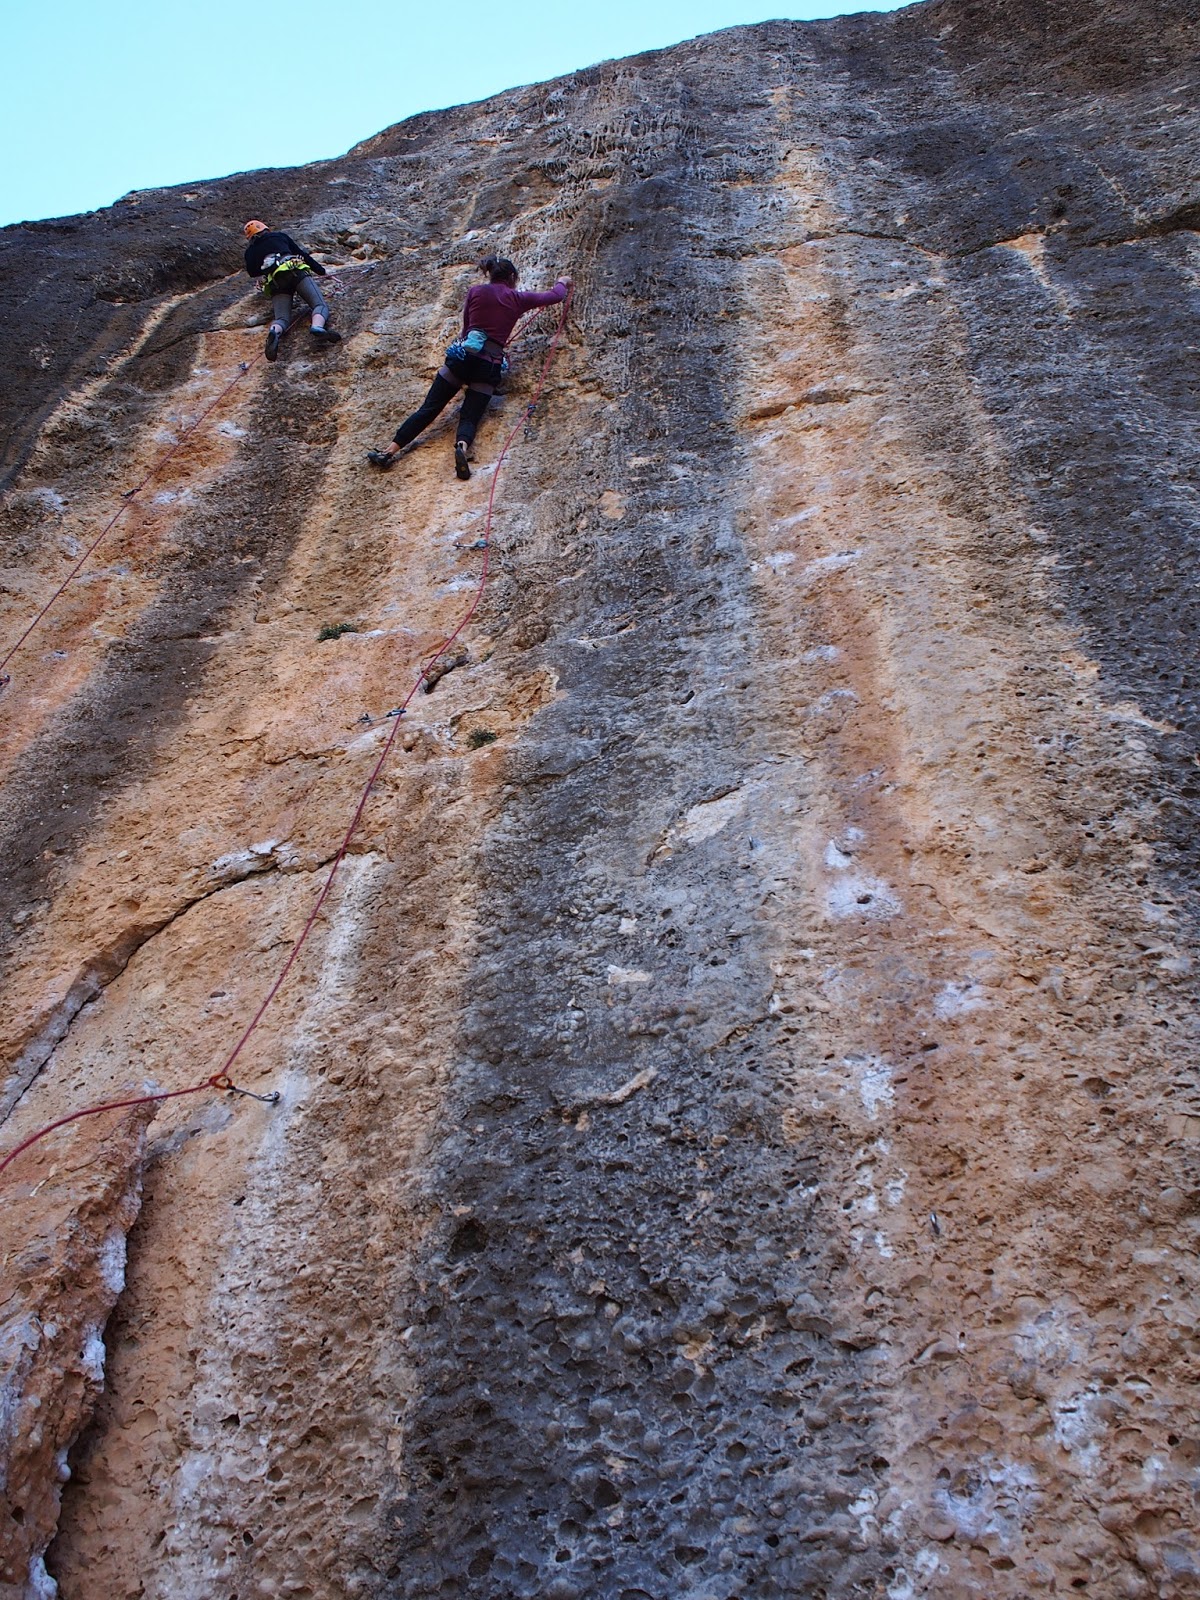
292 264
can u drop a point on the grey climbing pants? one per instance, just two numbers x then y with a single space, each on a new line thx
281 304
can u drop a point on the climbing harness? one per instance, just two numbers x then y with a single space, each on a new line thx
398 712
475 344
221 1080
282 273
130 495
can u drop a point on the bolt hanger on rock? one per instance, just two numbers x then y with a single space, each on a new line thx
222 1079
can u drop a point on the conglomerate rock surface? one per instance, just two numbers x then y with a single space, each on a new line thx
739 1116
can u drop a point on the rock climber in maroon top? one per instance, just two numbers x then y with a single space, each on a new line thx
475 360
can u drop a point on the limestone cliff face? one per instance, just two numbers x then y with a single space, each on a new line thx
738 1125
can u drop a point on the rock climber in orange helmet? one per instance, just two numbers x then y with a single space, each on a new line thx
286 271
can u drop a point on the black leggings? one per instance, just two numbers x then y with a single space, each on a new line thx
441 391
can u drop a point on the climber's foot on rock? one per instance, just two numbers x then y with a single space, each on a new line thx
382 459
462 467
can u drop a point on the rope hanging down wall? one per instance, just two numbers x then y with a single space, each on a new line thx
221 1080
131 495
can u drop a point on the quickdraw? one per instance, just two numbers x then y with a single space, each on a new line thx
222 1081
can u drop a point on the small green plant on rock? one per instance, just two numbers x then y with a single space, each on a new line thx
335 630
478 737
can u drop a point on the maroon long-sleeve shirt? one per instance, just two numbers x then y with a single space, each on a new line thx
496 308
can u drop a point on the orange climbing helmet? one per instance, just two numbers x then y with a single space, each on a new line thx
252 228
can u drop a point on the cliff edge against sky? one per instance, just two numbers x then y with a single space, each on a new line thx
738 1117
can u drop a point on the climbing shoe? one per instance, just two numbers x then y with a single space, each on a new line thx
326 335
272 349
462 468
381 459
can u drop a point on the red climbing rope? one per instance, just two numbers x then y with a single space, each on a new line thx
222 1080
217 1081
129 498
403 707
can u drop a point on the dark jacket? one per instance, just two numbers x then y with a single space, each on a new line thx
273 243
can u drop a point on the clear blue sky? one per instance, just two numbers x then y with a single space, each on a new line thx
104 96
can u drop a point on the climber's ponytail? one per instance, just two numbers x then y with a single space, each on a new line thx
499 269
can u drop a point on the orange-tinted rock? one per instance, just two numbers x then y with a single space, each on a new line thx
67 1206
738 1123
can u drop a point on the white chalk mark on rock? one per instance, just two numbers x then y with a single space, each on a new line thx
619 1096
703 820
957 999
824 565
862 896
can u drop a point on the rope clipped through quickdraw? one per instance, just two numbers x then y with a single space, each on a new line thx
221 1080
399 711
128 499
